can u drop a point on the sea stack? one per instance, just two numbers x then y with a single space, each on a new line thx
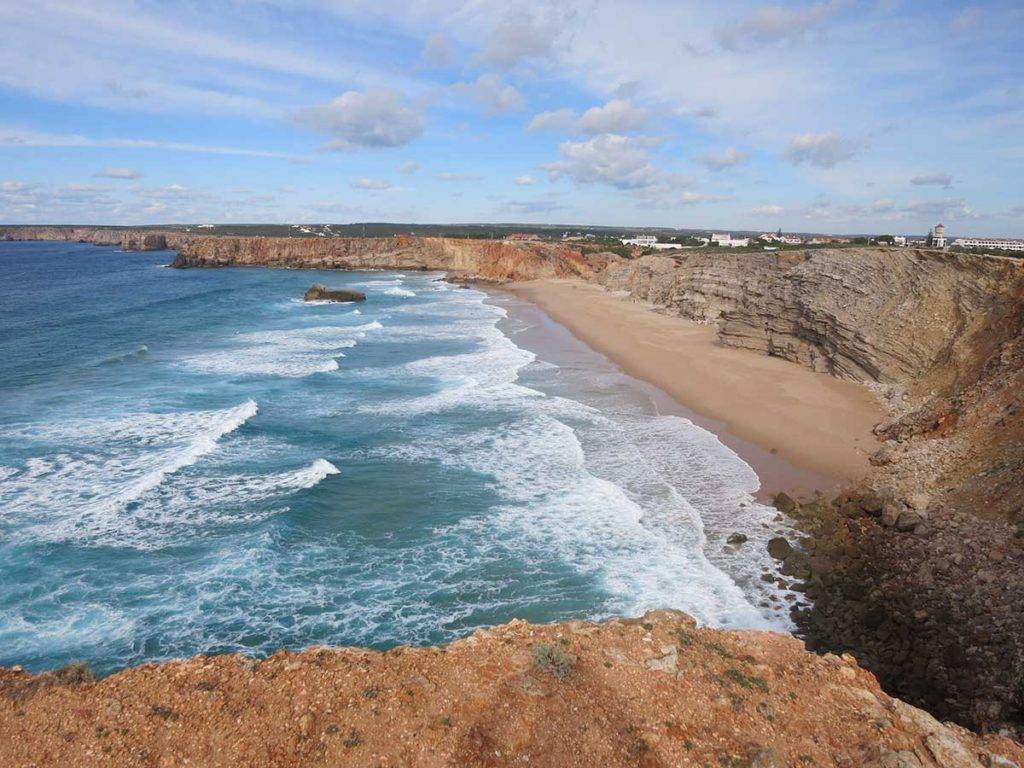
318 292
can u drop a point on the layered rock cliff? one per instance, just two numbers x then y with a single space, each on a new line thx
871 315
472 259
655 691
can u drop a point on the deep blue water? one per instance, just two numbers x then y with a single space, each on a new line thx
197 461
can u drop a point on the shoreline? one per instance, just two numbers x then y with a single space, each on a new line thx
800 431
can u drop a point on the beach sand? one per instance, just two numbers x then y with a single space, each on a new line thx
801 431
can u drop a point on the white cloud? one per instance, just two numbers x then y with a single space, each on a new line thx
617 116
932 180
969 19
525 181
560 120
768 210
517 37
457 176
438 51
371 184
719 161
367 119
775 23
118 173
824 150
619 161
409 166
492 94
20 137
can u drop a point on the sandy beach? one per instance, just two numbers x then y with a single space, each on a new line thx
800 430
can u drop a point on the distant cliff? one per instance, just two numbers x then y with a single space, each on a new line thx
488 260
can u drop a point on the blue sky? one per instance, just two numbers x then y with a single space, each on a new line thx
832 116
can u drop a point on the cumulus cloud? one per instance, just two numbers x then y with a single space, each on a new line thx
118 173
525 181
824 150
364 119
617 116
719 161
437 51
560 120
777 23
492 94
932 180
409 166
371 184
519 36
619 161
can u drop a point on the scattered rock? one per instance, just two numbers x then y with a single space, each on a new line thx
736 538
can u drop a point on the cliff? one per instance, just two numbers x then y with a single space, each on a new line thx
871 314
919 569
486 260
655 691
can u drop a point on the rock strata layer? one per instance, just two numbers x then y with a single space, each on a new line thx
655 691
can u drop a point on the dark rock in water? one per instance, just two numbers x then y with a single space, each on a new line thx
779 548
736 538
318 292
784 503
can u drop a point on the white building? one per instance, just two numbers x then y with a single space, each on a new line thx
899 240
728 241
939 236
642 241
995 243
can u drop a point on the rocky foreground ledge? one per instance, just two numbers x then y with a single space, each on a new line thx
655 691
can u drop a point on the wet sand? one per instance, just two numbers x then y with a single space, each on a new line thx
801 431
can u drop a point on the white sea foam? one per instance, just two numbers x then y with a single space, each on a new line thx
405 292
287 353
623 496
85 494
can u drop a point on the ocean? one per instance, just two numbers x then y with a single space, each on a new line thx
197 461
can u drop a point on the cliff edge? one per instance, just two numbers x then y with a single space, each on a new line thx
655 691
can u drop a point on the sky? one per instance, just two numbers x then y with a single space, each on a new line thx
840 116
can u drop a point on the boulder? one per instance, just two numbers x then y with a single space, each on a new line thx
779 548
736 538
318 292
784 503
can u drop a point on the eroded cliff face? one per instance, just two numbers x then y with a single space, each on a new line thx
471 259
654 691
871 315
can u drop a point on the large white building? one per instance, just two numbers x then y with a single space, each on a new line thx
995 243
728 241
642 241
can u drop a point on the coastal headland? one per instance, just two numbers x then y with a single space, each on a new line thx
899 372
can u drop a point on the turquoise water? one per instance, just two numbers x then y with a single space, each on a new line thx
198 461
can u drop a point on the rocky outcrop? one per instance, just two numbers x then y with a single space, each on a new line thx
654 691
143 241
318 292
494 261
